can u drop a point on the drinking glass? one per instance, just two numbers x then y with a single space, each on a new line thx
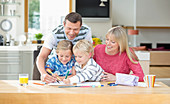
23 79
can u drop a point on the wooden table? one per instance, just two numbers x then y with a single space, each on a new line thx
12 93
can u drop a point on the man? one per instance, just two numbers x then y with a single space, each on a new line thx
73 30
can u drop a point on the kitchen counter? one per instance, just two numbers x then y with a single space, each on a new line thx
143 55
144 60
15 60
19 48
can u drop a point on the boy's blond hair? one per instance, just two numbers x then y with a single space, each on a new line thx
64 45
84 46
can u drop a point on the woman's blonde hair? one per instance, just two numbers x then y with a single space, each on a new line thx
120 37
64 45
84 46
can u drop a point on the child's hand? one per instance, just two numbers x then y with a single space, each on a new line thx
61 78
66 81
58 77
55 75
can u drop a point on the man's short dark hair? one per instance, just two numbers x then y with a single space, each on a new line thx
74 18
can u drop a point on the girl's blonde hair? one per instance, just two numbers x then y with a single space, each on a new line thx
120 36
84 46
64 45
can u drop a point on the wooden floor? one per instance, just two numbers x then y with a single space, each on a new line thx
160 71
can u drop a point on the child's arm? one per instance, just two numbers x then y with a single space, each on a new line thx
87 74
48 68
73 71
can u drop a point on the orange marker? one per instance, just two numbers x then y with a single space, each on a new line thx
39 84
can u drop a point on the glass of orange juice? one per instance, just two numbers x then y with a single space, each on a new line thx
23 79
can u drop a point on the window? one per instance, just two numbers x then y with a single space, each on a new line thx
45 15
34 14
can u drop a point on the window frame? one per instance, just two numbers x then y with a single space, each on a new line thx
26 14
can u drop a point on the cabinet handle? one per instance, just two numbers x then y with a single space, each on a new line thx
9 57
10 52
28 52
9 74
9 63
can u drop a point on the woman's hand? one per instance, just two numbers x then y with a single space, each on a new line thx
108 77
47 78
66 81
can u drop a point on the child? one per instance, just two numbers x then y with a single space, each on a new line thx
63 62
86 68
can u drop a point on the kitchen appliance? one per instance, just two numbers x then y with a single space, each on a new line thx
8 39
1 40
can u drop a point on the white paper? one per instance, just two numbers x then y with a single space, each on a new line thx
78 84
56 83
89 84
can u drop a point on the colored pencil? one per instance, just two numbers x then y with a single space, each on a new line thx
67 74
52 74
72 86
39 84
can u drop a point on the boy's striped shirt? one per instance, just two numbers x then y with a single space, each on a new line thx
91 72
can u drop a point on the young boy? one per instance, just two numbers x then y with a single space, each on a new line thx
63 62
86 68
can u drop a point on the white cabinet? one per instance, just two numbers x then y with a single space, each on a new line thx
12 11
14 62
27 65
9 9
10 64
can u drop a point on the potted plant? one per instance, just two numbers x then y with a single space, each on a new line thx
38 37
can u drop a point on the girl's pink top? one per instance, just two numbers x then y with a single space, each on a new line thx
116 63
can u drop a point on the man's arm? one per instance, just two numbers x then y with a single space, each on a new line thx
41 65
41 59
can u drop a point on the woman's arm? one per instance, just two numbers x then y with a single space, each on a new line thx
137 70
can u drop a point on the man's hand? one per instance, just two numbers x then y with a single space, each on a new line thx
108 77
47 78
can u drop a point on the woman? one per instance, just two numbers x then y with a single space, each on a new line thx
116 57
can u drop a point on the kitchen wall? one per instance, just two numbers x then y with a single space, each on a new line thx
149 13
17 21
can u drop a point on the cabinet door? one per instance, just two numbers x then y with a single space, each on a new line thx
27 66
10 64
9 76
